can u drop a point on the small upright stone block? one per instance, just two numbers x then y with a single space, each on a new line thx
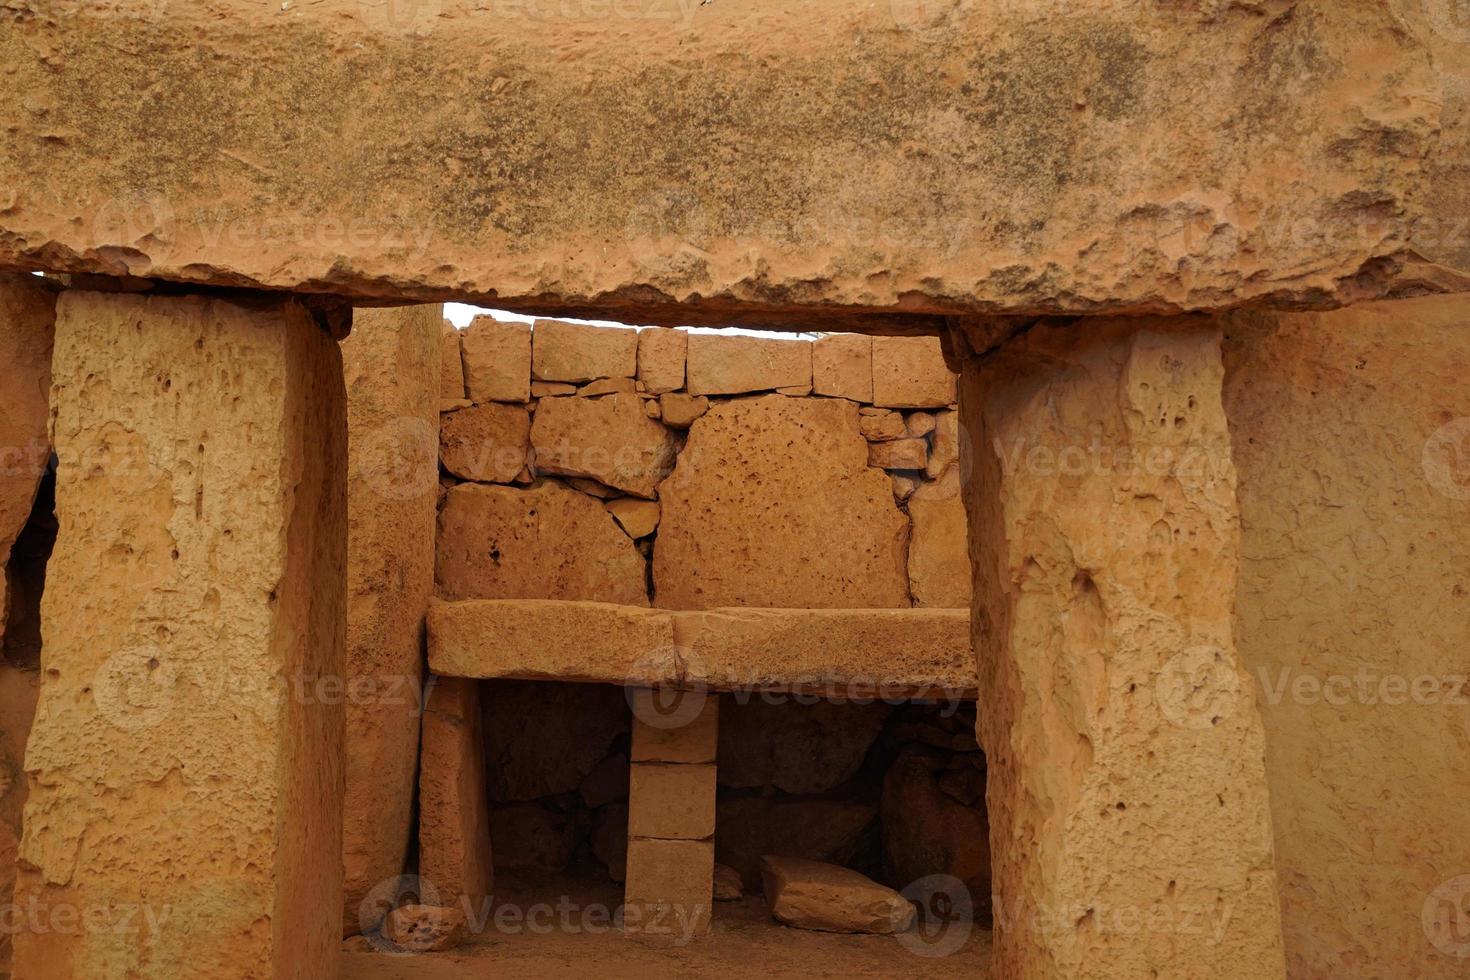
661 353
671 801
451 365
454 818
670 888
909 372
497 360
842 366
666 727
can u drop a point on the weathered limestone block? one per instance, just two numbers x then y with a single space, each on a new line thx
944 446
611 440
18 691
842 366
939 556
579 352
551 389
1113 696
731 365
899 454
670 888
815 895
391 364
661 355
546 737
664 731
1351 440
543 542
497 360
909 372
451 369
750 827
454 820
27 320
184 763
882 425
847 652
488 443
772 503
533 639
425 928
607 386
928 832
1037 167
672 801
679 409
639 518
794 747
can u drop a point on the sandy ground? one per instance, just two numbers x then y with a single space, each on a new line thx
743 941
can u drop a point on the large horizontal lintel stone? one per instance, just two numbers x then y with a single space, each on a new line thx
1014 157
870 653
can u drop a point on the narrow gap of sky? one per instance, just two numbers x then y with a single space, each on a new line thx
460 314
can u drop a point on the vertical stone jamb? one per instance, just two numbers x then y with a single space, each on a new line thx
185 770
1128 804
392 362
455 864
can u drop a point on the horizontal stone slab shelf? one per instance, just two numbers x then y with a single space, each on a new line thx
853 653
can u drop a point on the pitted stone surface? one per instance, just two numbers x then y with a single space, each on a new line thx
609 439
772 503
1019 158
1104 633
200 567
543 542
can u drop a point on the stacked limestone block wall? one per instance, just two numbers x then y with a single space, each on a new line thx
658 467
663 468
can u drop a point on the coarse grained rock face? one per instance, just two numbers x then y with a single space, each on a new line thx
816 895
799 748
1350 434
391 365
497 360
18 691
749 827
544 737
910 372
772 503
200 567
609 439
1022 158
731 365
1105 529
927 832
487 443
542 542
27 321
939 555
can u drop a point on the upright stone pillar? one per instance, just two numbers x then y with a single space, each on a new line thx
391 363
185 763
1130 831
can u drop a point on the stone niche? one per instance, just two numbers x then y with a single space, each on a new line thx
663 499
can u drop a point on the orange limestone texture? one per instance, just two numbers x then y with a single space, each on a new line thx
185 766
1126 756
391 362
